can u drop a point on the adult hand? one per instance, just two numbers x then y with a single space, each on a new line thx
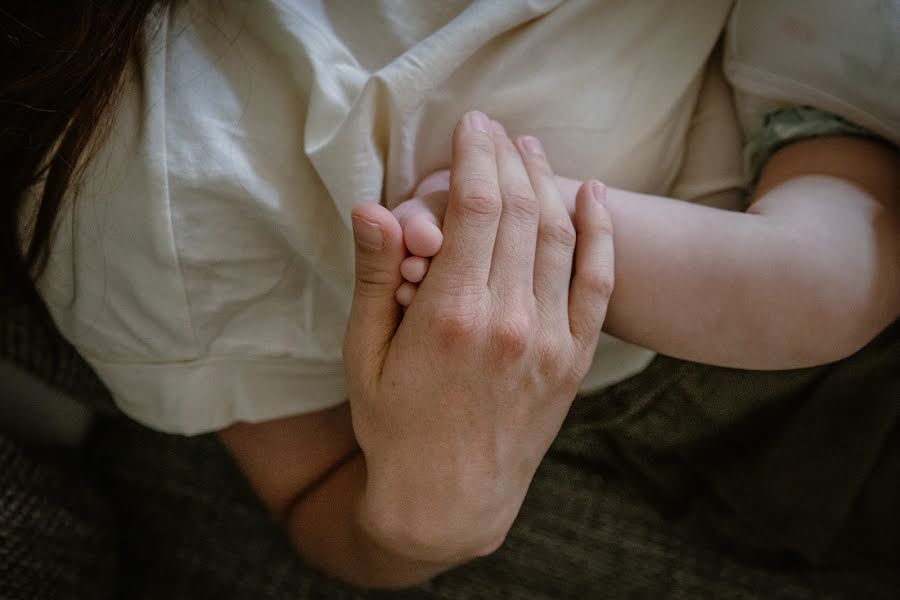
455 405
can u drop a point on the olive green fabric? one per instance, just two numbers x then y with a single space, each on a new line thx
793 124
189 527
789 453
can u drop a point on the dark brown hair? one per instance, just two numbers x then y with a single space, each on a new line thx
61 67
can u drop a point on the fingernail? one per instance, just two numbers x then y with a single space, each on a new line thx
532 145
497 128
368 234
479 121
598 191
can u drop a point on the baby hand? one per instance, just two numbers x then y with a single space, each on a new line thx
421 218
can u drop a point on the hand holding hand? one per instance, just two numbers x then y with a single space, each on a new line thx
455 406
421 217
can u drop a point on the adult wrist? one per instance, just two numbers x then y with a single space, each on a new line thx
429 526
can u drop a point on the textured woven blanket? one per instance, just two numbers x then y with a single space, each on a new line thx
686 481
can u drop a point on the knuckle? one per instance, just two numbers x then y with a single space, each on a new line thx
370 275
510 338
375 287
520 203
479 197
454 329
558 232
600 281
556 364
376 281
481 144
479 203
548 362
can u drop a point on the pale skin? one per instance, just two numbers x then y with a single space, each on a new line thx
807 275
452 407
426 466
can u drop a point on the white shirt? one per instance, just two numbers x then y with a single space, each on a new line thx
206 269
840 57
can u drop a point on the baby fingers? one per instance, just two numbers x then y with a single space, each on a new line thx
405 293
421 219
414 268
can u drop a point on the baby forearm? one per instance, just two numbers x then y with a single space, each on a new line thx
690 284
792 285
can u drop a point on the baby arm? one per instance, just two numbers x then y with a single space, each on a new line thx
808 275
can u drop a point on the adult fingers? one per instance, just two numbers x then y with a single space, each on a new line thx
374 314
512 267
592 283
555 233
473 209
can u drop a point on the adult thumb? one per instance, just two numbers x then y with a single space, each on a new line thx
374 314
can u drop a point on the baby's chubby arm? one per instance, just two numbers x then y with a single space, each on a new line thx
808 275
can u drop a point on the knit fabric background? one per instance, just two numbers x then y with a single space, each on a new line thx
613 512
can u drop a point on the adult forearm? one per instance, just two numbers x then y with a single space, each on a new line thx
310 474
332 529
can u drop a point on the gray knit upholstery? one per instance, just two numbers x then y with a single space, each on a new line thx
140 514
30 340
194 530
56 535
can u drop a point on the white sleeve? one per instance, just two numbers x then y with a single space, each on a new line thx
201 270
837 56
